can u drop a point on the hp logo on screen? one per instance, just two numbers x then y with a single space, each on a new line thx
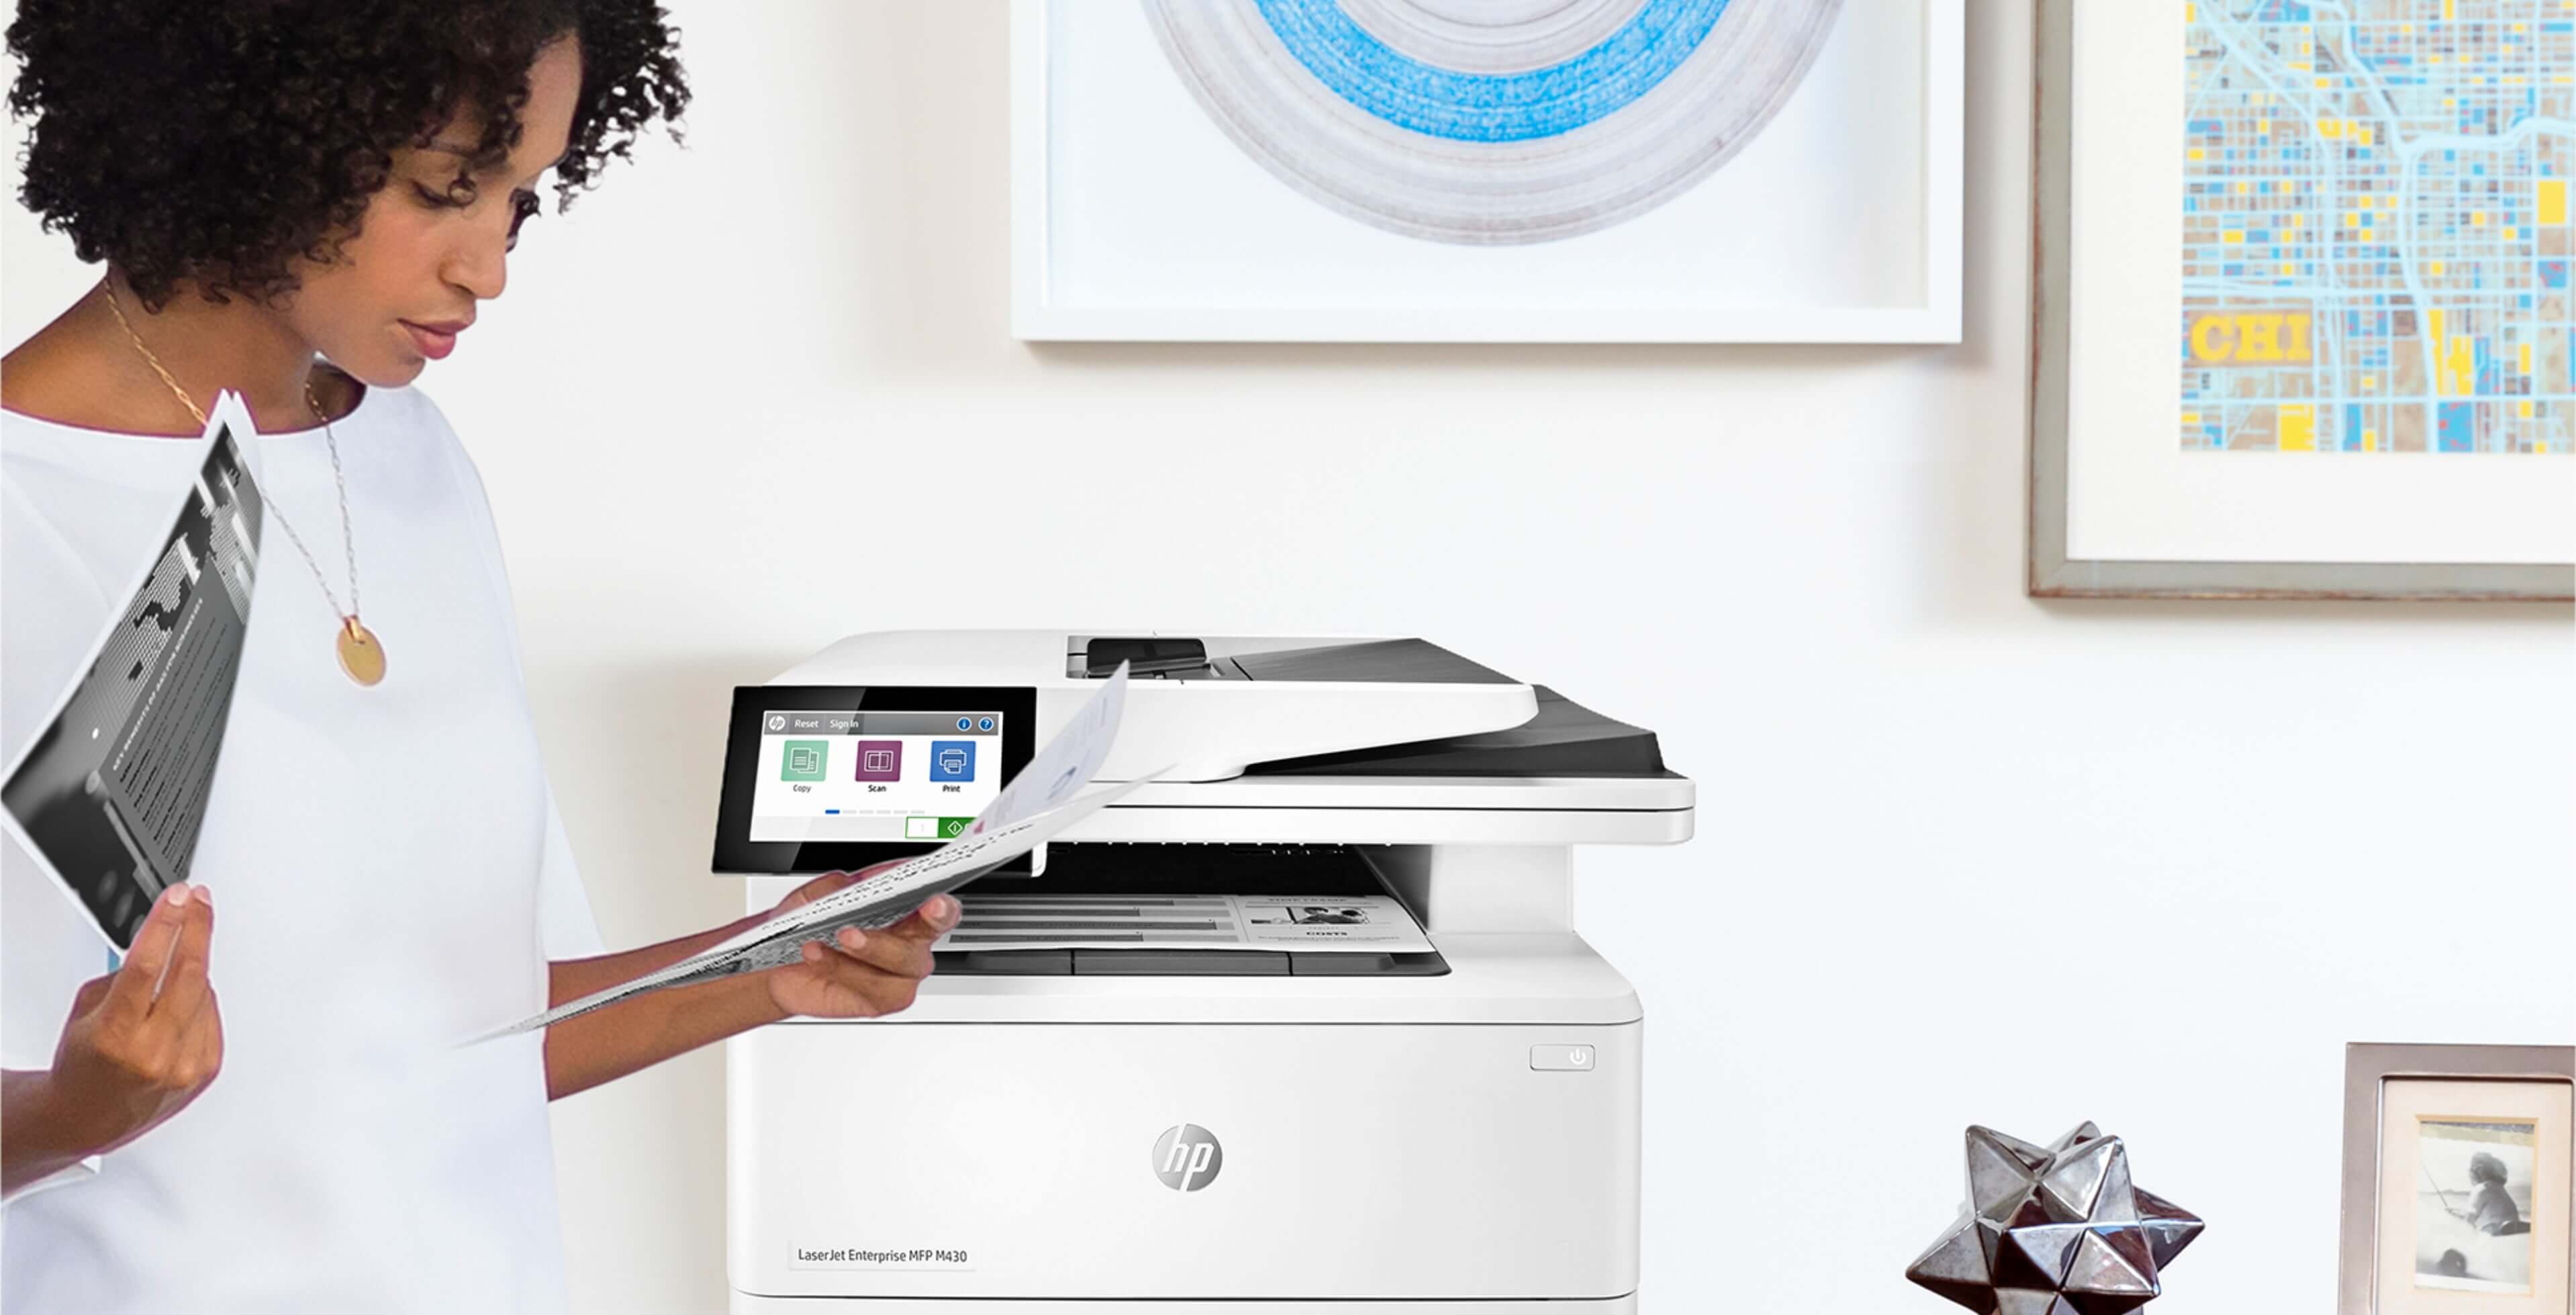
1187 1158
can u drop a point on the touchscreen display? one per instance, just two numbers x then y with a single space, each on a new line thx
826 774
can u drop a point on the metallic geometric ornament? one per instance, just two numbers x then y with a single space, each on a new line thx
1491 121
2054 1230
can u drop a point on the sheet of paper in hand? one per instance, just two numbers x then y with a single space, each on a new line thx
1039 802
109 796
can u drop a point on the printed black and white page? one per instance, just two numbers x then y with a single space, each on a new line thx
108 797
1039 803
888 897
1035 920
1066 764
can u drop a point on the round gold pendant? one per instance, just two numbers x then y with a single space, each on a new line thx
360 655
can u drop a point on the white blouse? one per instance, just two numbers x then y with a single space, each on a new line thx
389 873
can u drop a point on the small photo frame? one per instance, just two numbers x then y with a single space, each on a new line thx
2457 1171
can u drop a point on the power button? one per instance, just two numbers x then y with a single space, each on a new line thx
1562 1059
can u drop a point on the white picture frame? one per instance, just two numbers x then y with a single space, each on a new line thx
1051 303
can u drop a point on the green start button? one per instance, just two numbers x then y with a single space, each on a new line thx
935 828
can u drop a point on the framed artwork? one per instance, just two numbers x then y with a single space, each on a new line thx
1424 170
2301 320
2457 1171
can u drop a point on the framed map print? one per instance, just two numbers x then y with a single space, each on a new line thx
2302 321
1467 170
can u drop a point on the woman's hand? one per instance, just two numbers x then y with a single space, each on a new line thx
141 1043
863 974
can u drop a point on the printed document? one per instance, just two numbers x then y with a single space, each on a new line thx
1038 803
109 796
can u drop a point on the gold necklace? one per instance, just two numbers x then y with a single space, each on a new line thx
362 655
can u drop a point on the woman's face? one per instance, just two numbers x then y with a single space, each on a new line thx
408 283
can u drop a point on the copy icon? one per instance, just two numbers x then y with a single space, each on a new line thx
802 760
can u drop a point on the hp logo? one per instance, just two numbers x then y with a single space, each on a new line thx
1187 1158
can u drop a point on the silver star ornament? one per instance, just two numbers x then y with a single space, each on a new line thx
2054 1230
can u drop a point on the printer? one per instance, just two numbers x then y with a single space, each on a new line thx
1449 1123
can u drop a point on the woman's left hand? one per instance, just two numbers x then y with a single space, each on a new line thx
863 974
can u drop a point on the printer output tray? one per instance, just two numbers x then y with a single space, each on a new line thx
1182 869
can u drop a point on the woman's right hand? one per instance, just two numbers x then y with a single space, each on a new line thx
141 1043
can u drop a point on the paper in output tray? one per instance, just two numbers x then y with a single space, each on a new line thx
1027 918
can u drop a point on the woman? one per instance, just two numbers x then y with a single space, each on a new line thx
306 202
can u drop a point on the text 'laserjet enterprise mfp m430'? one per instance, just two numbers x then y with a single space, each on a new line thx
1303 1020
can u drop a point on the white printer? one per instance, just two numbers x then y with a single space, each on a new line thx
1450 1127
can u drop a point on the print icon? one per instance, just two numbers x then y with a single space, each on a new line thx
880 760
952 760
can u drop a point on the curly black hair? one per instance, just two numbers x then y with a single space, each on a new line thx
214 142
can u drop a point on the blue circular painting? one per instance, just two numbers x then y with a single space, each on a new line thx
1491 121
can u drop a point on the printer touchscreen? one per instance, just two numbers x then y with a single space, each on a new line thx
863 775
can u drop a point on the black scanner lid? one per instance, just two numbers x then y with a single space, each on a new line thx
1564 739
1375 661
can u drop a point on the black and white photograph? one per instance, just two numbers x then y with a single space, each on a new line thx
2473 1212
111 794
1325 915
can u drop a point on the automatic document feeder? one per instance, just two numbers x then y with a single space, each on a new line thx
1304 1021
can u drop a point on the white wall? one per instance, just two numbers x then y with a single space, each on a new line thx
1962 856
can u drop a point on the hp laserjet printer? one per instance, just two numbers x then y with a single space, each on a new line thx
1106 1093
